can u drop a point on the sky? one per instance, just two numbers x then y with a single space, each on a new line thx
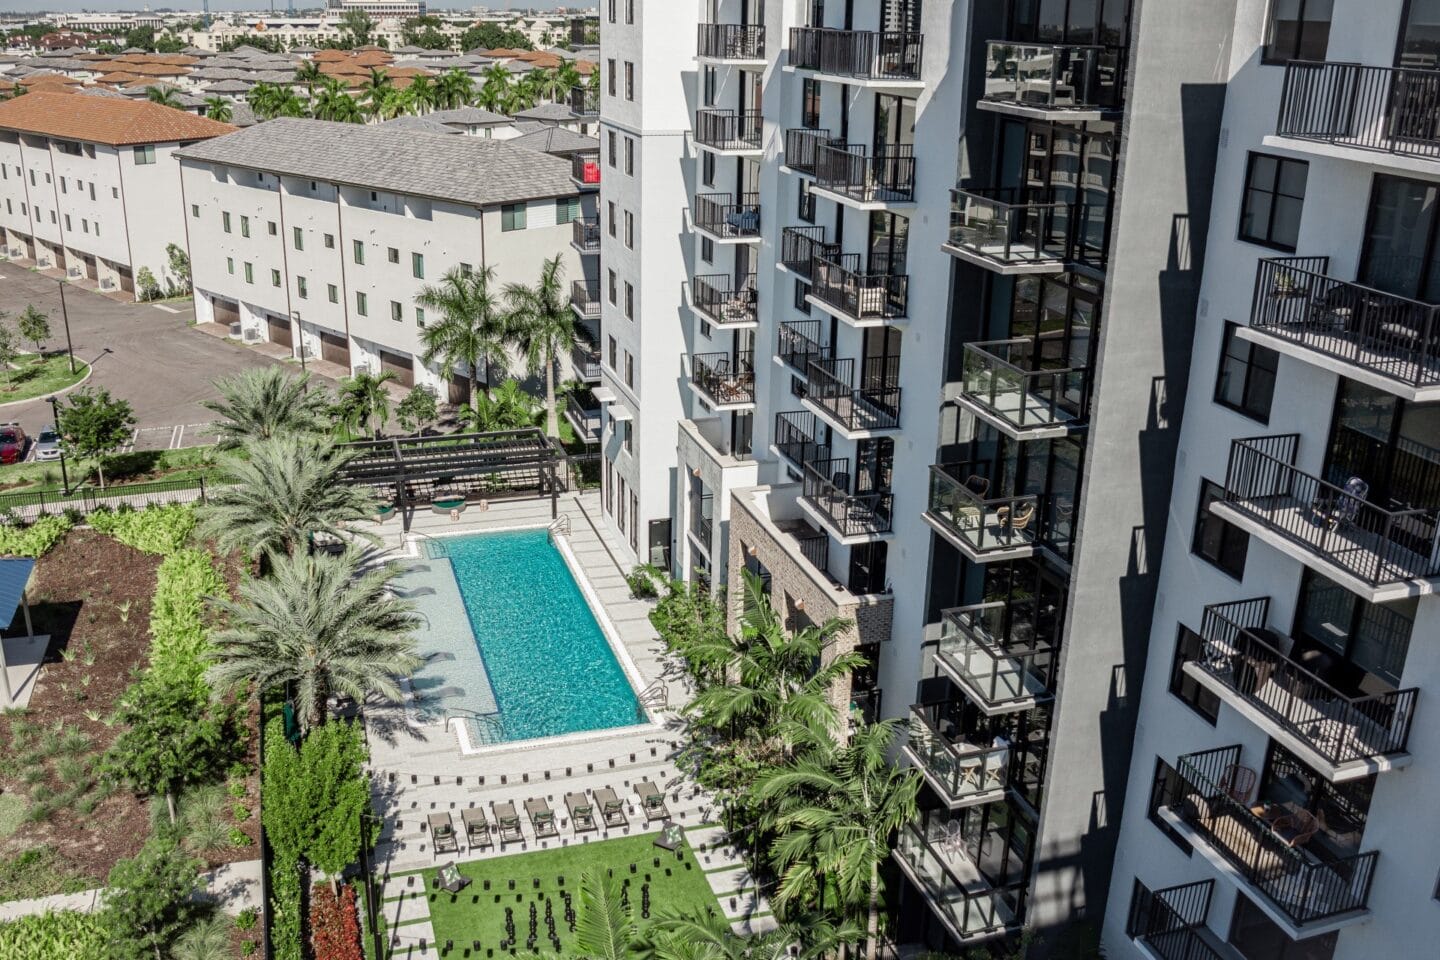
36 6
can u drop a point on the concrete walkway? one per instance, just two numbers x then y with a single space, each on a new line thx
234 886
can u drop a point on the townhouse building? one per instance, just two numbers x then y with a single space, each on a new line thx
318 236
89 185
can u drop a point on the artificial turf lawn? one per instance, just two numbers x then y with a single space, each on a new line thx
476 913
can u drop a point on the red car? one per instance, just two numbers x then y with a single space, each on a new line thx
12 443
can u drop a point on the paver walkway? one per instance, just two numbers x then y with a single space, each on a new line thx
234 886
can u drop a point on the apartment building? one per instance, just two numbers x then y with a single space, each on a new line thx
318 236
89 185
1287 761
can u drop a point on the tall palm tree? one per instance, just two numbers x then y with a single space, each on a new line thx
333 103
543 326
308 73
319 622
526 93
471 329
218 108
264 402
165 96
454 88
280 494
839 807
546 84
421 95
376 91
567 78
364 397
495 90
264 99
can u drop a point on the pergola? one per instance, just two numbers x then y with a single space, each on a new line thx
420 469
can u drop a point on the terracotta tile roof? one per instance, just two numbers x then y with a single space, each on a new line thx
105 120
124 77
52 87
33 79
330 56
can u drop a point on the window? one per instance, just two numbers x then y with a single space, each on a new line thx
392 254
629 370
513 216
357 251
802 290
629 11
466 269
419 317
1298 30
1274 194
85 225
627 436
1247 376
299 238
1358 646
1419 38
1256 937
610 147
707 168
609 73
417 266
629 156
244 226
329 241
567 209
610 220
114 193
67 222
1197 697
810 103
707 249
362 304
629 301
225 222
613 289
274 278
611 8
144 155
332 293
302 288
271 229
92 189
230 266
805 209
194 209
629 80
711 78
249 273
611 350
397 312
1400 253
629 230
1215 540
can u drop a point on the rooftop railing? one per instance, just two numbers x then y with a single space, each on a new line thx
728 129
964 770
874 405
801 146
996 376
861 54
1003 673
1392 336
1392 110
799 246
724 216
971 909
585 297
585 169
984 523
836 279
853 171
796 433
1170 921
731 41
1011 226
830 487
799 343
722 301
585 234
1054 76
725 379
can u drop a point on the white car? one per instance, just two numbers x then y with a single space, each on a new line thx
47 445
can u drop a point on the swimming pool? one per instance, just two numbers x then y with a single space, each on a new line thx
513 647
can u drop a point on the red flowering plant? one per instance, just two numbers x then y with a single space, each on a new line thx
334 924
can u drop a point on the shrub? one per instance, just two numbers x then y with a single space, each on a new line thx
74 936
285 935
642 584
177 625
334 924
162 530
36 540
148 900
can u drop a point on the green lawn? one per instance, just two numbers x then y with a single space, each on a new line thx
478 911
28 379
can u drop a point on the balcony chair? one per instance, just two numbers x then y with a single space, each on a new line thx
1345 507
952 839
997 764
977 485
1238 782
1296 828
743 221
1016 520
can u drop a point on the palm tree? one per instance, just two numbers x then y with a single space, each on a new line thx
265 99
376 91
333 103
546 84
495 91
526 93
218 108
839 807
280 494
507 407
364 397
421 95
265 402
454 89
165 96
322 623
567 78
308 72
543 326
606 928
471 329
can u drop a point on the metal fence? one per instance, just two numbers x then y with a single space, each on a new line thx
28 506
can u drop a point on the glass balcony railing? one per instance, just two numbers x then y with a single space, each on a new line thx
585 234
834 491
884 175
726 380
799 343
874 405
836 279
724 301
585 170
731 41
799 246
954 888
1011 227
795 437
727 217
585 298
997 378
728 129
1004 525
858 54
974 646
1369 108
1053 76
965 771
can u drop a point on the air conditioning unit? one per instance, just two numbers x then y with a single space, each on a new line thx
73 273
252 336
107 284
236 328
307 352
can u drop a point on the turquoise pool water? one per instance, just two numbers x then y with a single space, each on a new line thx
544 667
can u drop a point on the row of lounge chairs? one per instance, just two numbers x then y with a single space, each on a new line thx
479 833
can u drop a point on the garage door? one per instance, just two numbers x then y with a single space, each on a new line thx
280 331
335 348
400 365
226 312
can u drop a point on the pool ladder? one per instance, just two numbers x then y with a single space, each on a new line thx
560 526
657 695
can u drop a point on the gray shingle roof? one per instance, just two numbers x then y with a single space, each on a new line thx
228 86
550 112
468 116
468 170
556 140
422 124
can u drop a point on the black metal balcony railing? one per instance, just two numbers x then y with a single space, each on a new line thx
974 645
799 246
1170 921
585 297
815 548
702 518
984 523
722 301
1336 524
801 146
795 437
1395 110
851 170
1054 76
725 216
728 130
1388 335
1232 647
585 169
731 41
1305 887
971 909
723 378
831 488
586 361
799 343
585 421
862 54
836 280
963 770
1011 226
874 405
997 377
585 234
585 102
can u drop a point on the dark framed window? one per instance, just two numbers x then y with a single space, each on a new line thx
1164 785
707 250
805 207
1246 383
1190 691
707 168
1256 937
1400 253
1274 196
810 103
802 290
1215 540
1297 30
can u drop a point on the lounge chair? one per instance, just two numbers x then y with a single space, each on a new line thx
652 801
611 808
442 834
542 818
477 828
507 822
582 814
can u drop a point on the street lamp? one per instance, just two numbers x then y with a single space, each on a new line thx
65 315
300 329
55 410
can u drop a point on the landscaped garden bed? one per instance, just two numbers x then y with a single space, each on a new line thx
27 379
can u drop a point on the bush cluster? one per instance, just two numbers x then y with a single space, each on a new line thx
34 540
156 529
74 936
179 636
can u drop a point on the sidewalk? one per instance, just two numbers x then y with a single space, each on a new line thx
235 886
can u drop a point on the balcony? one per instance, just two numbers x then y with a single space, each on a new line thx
867 58
726 219
1299 889
799 246
969 905
982 527
796 433
860 299
1053 81
585 298
1386 341
1169 924
999 387
799 343
1002 671
585 170
585 103
801 146
852 175
585 422
1245 664
729 132
585 234
855 411
964 774
717 298
1010 231
731 42
1377 553
833 497
725 382
1368 110
585 361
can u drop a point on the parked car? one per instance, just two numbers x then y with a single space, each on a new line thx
12 443
47 445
